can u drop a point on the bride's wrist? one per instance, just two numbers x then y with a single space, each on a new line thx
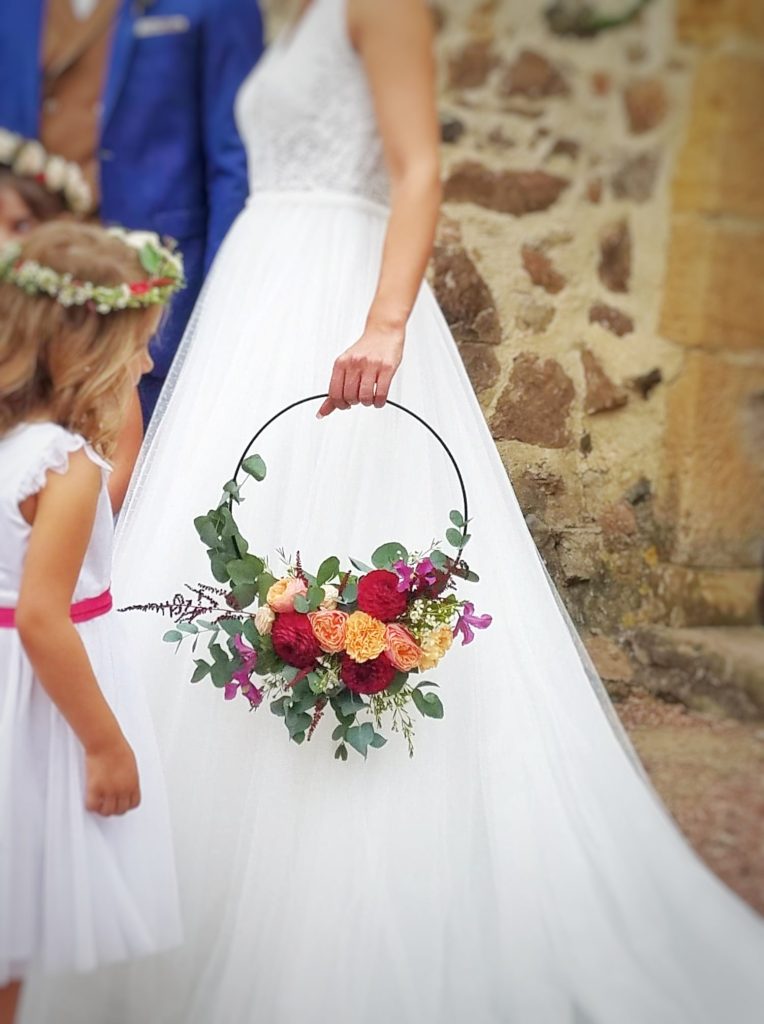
387 322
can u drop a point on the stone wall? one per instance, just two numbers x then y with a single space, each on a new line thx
599 260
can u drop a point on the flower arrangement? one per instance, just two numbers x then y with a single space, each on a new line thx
27 158
357 642
160 259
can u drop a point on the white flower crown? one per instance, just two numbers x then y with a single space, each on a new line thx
28 159
161 261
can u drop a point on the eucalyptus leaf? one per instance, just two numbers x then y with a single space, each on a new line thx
265 583
350 593
277 707
207 531
232 489
456 518
454 537
172 636
360 566
188 627
220 673
377 741
399 681
245 570
254 466
218 566
245 594
315 596
230 626
301 604
386 555
439 560
202 670
428 704
360 736
341 753
328 569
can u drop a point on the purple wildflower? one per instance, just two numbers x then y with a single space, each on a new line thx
405 576
468 621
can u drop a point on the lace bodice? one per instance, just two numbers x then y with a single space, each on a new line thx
306 113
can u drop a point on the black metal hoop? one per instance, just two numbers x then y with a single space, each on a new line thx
396 405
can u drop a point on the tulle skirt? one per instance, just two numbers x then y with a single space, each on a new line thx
519 868
77 890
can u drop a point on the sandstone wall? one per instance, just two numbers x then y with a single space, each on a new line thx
599 259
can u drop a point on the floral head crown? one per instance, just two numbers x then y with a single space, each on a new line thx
161 261
28 159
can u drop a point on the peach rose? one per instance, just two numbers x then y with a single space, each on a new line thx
434 646
329 628
402 649
283 592
364 637
263 618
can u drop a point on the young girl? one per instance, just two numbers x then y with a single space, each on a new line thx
86 874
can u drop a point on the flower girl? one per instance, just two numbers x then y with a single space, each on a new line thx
82 882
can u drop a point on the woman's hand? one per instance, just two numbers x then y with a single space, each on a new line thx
112 785
364 372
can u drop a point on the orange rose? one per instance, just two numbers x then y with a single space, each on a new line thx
329 628
402 649
364 637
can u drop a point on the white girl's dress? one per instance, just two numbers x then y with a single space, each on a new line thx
76 890
520 869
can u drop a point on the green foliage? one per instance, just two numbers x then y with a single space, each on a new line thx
172 636
386 555
301 604
315 597
428 704
255 467
456 518
455 537
328 569
202 670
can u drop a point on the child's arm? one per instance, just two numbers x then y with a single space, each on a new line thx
64 512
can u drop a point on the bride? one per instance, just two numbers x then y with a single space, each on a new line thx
520 868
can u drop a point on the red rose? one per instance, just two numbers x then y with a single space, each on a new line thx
293 640
378 595
367 677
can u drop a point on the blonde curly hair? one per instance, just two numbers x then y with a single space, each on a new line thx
72 365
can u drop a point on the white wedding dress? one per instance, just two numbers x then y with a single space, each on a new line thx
520 869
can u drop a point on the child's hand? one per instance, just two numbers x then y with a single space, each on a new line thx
112 783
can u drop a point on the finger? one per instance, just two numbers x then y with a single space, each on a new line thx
123 804
352 386
366 389
135 799
93 801
107 807
337 385
326 407
384 380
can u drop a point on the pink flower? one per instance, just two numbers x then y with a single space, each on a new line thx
283 592
242 678
468 621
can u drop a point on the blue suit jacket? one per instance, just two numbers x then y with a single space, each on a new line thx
171 158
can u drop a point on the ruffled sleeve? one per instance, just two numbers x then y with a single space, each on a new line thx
49 449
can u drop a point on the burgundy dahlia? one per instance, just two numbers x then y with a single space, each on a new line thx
293 640
378 595
367 677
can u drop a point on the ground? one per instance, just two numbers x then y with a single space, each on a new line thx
710 773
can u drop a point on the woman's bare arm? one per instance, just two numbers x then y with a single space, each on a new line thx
395 42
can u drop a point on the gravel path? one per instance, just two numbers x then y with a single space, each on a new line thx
710 773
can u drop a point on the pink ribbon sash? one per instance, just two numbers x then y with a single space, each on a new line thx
80 611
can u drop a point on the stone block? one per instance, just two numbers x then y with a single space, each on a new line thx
715 494
719 169
713 296
710 21
535 404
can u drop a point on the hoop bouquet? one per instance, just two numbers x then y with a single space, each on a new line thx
357 641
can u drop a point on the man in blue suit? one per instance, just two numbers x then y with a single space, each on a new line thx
141 94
